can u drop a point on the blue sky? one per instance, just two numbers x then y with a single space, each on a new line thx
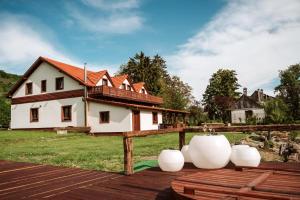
256 38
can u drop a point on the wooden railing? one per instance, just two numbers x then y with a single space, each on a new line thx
124 94
128 136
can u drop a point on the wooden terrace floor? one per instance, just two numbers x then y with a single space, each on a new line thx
32 181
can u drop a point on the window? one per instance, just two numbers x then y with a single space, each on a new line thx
123 86
154 118
66 113
129 87
104 117
28 89
59 83
143 91
43 86
104 82
34 115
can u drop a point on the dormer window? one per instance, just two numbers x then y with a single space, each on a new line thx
129 87
143 91
104 82
123 86
28 89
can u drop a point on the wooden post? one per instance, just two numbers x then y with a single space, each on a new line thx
128 158
181 139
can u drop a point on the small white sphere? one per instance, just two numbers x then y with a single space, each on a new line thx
170 160
247 157
240 146
210 151
186 154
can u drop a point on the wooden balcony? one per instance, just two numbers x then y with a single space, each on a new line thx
124 94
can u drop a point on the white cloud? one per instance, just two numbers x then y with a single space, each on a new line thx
21 43
118 17
254 37
112 5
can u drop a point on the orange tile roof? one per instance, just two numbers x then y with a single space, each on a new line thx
138 86
118 80
76 72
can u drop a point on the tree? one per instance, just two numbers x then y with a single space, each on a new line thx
4 112
222 84
142 68
197 115
289 89
276 111
153 71
177 94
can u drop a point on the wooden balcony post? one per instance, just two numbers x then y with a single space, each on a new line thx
128 155
181 139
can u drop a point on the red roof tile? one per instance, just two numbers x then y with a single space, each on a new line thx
138 86
76 72
118 80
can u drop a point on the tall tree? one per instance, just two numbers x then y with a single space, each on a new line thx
177 94
222 84
289 89
197 115
142 68
153 71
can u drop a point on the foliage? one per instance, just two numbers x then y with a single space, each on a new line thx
251 120
153 71
276 111
289 89
222 84
142 68
79 150
6 82
176 94
197 115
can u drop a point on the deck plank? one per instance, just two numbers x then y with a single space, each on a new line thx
33 181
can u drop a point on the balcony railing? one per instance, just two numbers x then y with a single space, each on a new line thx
124 94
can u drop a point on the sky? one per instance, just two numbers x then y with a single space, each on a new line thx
256 38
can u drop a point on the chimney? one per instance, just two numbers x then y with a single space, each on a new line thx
245 91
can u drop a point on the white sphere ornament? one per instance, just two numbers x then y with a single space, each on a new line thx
210 151
186 154
170 160
246 157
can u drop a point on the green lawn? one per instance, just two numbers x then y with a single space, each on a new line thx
79 150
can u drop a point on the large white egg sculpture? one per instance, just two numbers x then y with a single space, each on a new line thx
186 154
210 151
246 157
170 160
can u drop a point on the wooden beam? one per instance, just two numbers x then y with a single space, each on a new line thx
128 155
151 132
181 139
248 128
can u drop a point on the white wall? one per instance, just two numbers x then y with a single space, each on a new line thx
239 116
147 122
100 81
120 118
49 114
49 73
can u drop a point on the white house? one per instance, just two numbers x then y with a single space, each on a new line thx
51 94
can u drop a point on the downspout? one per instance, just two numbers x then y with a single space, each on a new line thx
85 97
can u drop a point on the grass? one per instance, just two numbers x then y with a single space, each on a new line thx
87 152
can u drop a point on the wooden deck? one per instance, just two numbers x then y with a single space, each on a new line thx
33 181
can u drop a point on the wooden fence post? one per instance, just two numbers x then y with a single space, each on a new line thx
128 151
181 139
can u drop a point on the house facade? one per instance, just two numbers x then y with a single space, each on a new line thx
51 94
249 107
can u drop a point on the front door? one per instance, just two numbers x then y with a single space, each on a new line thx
136 120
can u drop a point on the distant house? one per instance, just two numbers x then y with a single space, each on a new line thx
247 107
51 94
